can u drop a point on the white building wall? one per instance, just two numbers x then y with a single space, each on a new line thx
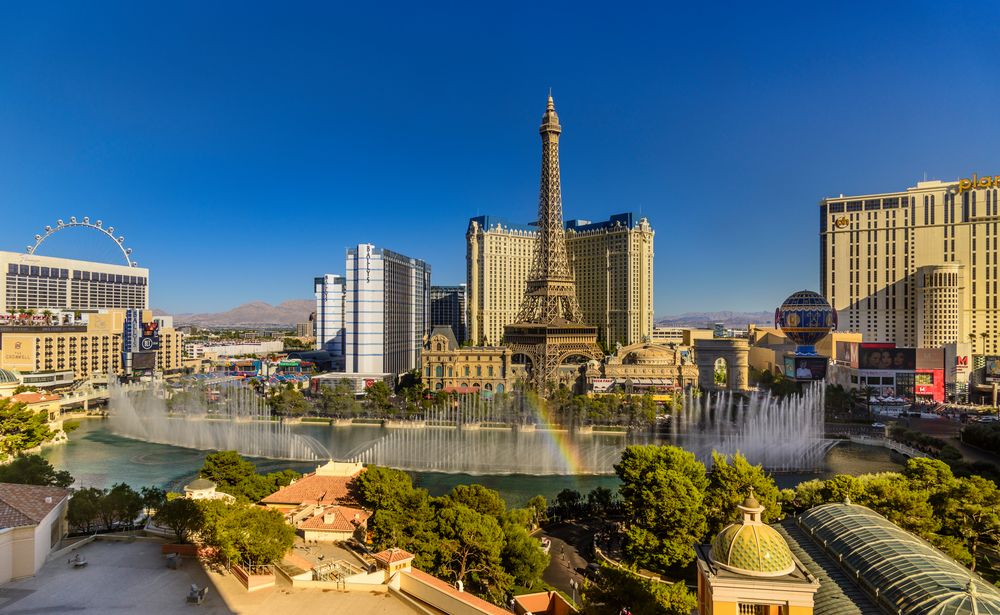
364 311
329 292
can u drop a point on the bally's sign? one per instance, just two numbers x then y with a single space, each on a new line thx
986 181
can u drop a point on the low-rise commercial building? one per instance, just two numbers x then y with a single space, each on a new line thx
199 350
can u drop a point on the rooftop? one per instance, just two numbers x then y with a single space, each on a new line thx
22 505
133 578
335 519
328 485
393 555
35 398
902 572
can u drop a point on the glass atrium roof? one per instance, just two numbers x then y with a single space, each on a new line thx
905 574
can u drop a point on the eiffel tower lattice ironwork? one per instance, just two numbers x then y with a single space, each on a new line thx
550 327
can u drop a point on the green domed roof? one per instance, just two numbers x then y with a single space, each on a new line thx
751 547
8 377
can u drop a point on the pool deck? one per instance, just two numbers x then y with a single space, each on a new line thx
122 577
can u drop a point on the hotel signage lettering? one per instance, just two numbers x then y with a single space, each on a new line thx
986 181
841 222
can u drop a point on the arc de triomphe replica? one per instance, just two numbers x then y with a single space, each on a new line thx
736 353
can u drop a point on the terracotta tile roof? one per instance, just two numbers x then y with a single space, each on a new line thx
313 488
25 504
344 518
34 398
473 601
391 556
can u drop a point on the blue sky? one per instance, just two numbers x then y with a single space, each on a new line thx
241 148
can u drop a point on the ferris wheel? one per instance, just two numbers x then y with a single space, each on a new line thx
86 223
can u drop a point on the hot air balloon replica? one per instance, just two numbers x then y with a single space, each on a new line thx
806 318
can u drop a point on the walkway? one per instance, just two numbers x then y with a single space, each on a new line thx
133 578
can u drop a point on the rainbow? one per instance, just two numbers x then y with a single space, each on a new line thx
559 439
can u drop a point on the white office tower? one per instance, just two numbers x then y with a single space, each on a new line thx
329 292
386 310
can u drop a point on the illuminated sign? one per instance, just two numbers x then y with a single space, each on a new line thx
841 222
987 181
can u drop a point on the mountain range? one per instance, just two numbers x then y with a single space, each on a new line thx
729 319
254 313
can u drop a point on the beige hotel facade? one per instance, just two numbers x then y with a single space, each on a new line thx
917 267
612 262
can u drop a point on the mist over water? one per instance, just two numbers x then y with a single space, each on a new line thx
236 418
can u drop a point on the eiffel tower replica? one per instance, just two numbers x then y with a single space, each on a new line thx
550 327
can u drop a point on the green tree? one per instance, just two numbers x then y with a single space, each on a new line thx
34 470
618 589
891 495
480 499
522 556
972 514
379 488
238 477
182 516
245 534
121 505
470 548
84 509
378 396
600 500
663 494
568 501
21 428
539 509
226 468
288 401
337 400
729 483
153 498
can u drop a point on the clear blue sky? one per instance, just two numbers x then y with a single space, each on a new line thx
240 149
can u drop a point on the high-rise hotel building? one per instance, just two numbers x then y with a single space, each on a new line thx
33 282
612 262
916 267
374 317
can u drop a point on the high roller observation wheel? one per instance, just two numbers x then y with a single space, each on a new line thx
86 223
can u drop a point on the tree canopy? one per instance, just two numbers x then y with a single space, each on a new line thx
238 477
34 470
663 494
21 428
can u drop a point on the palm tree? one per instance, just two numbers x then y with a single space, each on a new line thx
984 335
972 340
48 316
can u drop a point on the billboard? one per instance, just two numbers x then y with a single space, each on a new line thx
805 368
890 359
992 369
847 353
143 361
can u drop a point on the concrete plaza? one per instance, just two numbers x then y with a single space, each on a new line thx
132 577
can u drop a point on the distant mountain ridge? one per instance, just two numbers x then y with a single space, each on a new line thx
729 319
254 313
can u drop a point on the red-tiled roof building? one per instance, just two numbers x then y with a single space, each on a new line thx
32 522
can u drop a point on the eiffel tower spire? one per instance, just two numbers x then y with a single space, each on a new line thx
549 328
550 295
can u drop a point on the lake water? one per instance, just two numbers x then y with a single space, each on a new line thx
98 458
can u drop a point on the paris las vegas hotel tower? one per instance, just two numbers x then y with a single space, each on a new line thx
916 267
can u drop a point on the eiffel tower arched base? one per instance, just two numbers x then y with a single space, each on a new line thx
547 346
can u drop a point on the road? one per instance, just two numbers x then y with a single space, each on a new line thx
947 430
566 562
